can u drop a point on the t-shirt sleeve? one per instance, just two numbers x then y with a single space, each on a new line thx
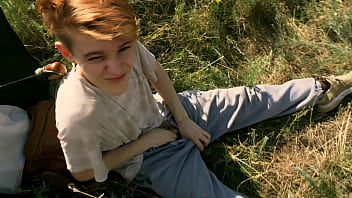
147 61
80 146
82 153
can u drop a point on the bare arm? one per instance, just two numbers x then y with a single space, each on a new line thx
114 158
187 127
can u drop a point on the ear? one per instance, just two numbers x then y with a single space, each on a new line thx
64 51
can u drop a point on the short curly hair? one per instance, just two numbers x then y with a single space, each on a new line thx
100 19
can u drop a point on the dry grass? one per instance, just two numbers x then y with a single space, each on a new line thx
315 162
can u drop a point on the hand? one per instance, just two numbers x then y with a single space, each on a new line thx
157 137
192 131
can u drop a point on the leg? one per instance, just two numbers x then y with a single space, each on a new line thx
177 170
223 110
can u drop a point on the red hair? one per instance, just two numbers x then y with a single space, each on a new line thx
101 19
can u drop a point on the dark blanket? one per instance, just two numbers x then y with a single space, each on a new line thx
16 63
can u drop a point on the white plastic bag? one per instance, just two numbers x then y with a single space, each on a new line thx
14 125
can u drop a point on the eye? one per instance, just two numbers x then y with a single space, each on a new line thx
124 48
95 58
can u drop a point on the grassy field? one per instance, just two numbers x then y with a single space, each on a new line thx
206 44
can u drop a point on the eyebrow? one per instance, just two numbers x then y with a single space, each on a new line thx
99 52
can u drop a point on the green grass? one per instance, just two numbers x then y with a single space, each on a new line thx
224 43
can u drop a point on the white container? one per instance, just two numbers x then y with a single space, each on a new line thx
14 125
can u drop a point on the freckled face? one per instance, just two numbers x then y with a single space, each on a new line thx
105 64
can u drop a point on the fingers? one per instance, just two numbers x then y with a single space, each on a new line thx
203 140
167 135
172 134
199 145
174 130
56 67
191 130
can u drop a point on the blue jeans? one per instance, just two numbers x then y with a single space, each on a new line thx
177 170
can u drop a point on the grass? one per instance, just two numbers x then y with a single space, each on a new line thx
224 43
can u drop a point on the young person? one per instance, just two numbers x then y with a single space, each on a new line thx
108 118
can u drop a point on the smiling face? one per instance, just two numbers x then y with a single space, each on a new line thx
105 64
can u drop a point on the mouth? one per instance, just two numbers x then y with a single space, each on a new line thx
116 79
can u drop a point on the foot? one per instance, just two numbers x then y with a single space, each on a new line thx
340 87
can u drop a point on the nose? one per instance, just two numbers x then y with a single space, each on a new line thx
115 66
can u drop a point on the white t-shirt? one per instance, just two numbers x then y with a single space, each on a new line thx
90 121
